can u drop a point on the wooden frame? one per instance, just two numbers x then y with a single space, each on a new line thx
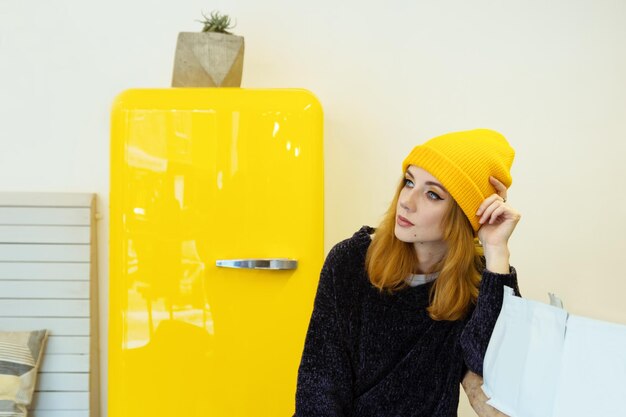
48 279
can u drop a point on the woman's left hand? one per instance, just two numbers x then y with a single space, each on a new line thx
472 385
497 218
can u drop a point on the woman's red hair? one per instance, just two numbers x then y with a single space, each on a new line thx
389 261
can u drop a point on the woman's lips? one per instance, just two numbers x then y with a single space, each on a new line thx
401 221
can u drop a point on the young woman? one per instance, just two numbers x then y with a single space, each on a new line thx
402 317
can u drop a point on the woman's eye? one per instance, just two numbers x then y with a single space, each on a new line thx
433 196
408 182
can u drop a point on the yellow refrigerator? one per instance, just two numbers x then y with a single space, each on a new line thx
216 244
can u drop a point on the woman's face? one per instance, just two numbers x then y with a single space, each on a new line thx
422 204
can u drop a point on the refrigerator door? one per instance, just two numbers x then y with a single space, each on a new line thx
216 247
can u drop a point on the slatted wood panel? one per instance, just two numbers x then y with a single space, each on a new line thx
48 280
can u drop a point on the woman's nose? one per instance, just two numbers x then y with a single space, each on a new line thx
408 203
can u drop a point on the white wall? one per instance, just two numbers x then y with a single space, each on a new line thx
549 75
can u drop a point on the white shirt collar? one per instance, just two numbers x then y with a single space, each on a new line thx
419 279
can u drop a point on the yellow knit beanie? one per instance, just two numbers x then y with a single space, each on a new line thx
463 162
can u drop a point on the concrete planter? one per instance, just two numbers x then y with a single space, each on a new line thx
208 59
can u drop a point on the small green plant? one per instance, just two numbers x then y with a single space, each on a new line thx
216 22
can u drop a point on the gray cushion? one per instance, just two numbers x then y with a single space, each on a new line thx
20 356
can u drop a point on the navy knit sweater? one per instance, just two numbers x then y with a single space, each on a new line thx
369 353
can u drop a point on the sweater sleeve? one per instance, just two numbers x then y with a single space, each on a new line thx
325 374
477 332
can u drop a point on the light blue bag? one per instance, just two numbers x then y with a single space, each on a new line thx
543 362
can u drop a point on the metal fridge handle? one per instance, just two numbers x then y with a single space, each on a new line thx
264 263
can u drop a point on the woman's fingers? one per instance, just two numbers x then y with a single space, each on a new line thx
493 206
488 202
491 213
496 213
500 188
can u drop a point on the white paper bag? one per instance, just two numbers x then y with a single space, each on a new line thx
543 362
